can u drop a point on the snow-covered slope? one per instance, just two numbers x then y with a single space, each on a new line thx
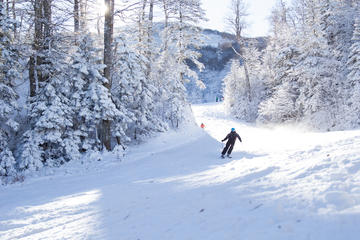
280 184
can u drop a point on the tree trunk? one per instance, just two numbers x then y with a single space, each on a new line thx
47 34
108 40
141 21
83 13
237 22
166 13
14 18
149 39
76 16
7 8
34 75
247 80
98 24
1 7
47 22
181 39
42 37
151 17
108 61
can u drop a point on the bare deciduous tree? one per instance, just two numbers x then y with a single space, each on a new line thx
237 17
237 21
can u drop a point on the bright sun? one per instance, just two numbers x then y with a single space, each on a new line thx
102 7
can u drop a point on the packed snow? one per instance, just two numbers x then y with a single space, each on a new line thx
282 183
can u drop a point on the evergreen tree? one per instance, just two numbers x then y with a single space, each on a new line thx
318 73
280 105
353 64
235 91
281 57
9 73
172 105
51 116
134 94
181 41
307 72
92 100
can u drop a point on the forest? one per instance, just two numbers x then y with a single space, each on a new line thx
309 73
82 76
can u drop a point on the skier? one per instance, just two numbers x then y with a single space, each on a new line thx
230 143
202 125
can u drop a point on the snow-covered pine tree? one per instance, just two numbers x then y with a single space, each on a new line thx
138 72
50 136
234 96
318 99
29 154
147 48
7 163
177 108
236 89
280 106
83 58
336 24
9 66
307 70
281 56
318 73
134 94
353 64
181 40
256 75
92 100
187 38
172 105
164 75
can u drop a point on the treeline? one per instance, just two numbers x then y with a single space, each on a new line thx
309 73
67 90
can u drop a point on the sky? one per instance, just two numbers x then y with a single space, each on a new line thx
259 11
216 11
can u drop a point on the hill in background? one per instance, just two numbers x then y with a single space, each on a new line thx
216 55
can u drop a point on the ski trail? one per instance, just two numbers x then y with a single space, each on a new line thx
280 184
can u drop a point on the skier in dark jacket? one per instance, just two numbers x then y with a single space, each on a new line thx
231 137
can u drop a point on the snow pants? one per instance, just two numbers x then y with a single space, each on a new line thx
228 148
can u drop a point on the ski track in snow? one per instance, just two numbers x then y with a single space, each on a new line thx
280 184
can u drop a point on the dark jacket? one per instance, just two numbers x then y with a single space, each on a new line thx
232 137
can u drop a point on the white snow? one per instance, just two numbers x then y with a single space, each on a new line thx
280 184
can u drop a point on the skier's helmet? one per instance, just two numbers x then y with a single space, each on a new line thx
233 129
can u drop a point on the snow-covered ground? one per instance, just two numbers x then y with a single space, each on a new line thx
280 184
